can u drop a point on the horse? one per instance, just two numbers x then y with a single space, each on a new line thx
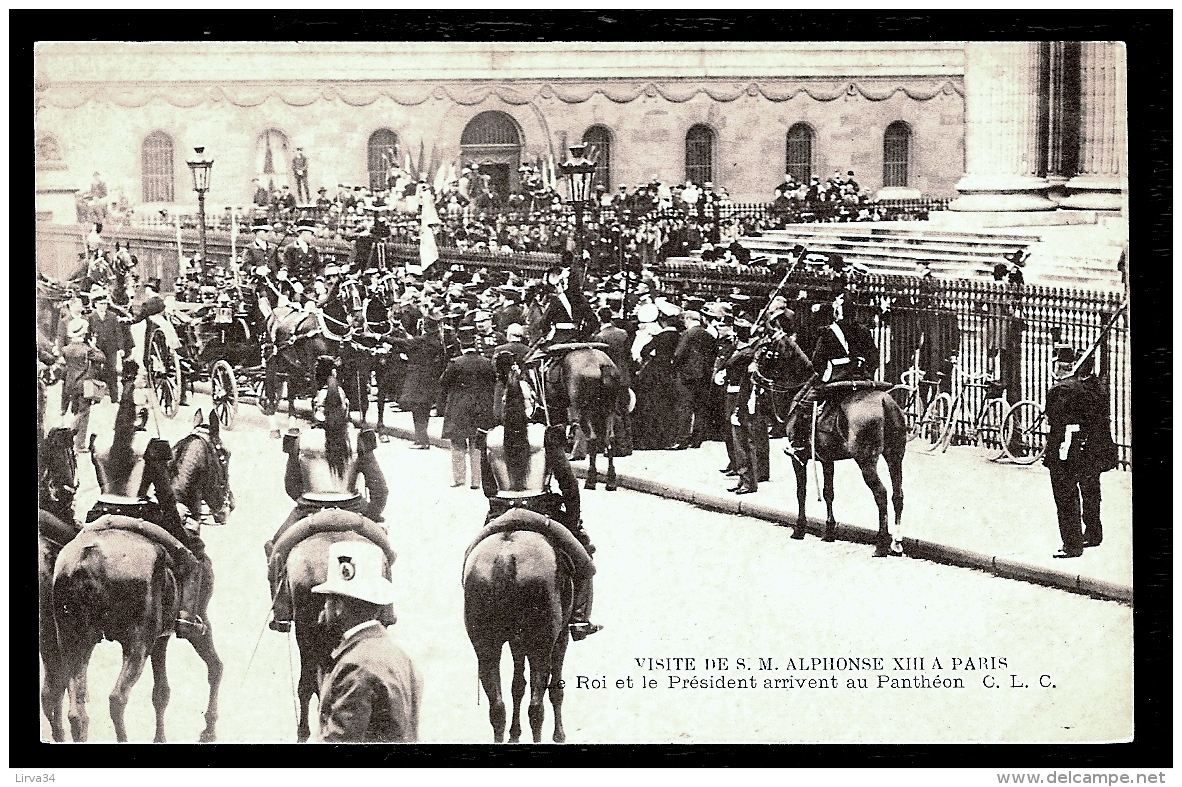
296 346
875 427
518 590
586 392
116 584
57 482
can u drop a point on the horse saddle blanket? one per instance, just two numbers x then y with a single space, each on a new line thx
559 537
283 326
179 555
332 520
562 349
839 389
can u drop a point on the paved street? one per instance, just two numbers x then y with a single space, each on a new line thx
673 581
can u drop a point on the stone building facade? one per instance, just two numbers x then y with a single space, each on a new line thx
739 114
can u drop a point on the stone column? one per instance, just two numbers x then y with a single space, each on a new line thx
1103 149
1002 151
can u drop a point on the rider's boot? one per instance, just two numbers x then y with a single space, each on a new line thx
580 533
281 609
189 624
581 626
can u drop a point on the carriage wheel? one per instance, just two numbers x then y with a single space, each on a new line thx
1024 432
164 374
225 393
936 420
908 400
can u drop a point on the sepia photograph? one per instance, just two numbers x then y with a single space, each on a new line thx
584 392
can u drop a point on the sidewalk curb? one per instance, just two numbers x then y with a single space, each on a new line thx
912 547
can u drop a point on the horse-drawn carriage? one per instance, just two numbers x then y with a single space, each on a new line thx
220 343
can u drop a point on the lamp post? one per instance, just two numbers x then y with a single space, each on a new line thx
580 171
201 166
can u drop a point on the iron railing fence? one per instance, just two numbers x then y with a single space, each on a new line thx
769 215
1005 331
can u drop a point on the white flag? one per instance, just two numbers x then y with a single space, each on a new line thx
428 248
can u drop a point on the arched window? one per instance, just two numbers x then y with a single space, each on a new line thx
799 154
381 156
699 154
491 128
896 150
156 166
600 140
272 159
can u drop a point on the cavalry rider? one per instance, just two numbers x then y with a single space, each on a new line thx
322 468
519 460
567 316
845 351
127 467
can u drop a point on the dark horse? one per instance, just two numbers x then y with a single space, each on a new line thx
57 468
116 584
872 426
295 347
584 389
518 589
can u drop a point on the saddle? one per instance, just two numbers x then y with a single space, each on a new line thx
179 557
558 535
286 328
332 520
562 349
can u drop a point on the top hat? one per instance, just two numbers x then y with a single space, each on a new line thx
154 283
260 225
355 570
97 292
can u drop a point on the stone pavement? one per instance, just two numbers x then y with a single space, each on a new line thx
959 508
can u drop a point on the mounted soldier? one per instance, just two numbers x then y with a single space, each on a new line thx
845 352
302 259
128 468
520 459
323 464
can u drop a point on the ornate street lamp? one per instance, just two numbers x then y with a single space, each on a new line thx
580 171
201 166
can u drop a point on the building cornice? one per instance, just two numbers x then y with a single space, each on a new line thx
413 62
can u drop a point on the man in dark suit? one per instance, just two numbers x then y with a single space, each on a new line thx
514 343
110 338
466 388
619 349
302 259
1079 449
740 413
693 362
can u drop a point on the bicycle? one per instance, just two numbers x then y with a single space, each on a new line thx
1024 432
945 411
907 395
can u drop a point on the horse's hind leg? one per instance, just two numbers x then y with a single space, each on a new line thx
135 654
830 521
488 663
213 670
895 467
556 690
869 470
539 679
160 688
517 689
73 673
592 472
609 448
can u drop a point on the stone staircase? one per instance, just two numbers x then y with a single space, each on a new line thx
1078 257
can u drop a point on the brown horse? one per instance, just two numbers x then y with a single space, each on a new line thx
116 584
57 470
517 590
584 389
873 426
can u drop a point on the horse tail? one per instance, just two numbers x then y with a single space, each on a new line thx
82 602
